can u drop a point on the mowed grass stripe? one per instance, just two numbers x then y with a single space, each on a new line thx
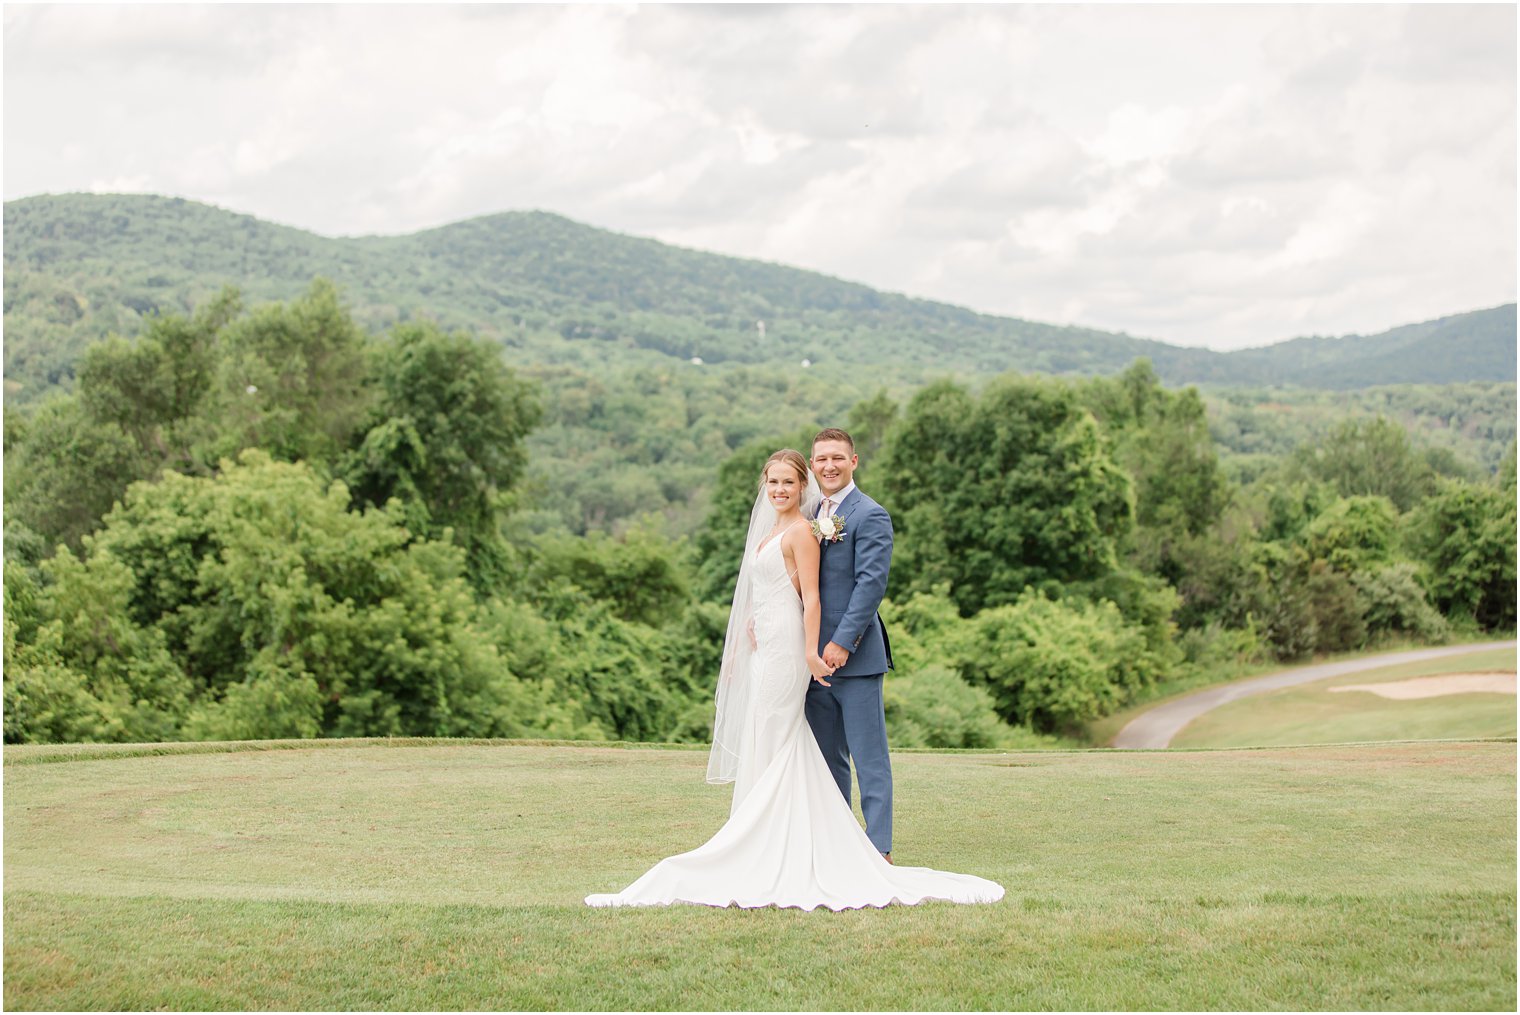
1377 876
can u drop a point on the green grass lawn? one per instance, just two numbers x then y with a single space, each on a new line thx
451 876
1313 714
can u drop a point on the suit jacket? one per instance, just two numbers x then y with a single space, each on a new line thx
852 578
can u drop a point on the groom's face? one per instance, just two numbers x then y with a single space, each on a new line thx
834 464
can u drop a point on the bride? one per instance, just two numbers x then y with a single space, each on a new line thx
790 840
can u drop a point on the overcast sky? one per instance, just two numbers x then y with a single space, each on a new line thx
1219 176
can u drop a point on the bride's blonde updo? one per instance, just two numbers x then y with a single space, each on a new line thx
790 457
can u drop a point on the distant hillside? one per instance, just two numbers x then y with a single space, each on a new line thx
1476 346
553 291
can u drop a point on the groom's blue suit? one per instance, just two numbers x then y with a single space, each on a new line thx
847 718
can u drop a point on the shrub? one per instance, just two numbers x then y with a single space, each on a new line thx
257 605
1338 624
1392 601
1354 533
46 702
929 703
76 666
597 673
1053 665
934 707
1221 650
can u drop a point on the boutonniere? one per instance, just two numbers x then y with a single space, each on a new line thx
828 528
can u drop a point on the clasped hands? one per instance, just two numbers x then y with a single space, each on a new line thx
823 666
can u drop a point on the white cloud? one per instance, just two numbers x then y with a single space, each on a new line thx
1205 175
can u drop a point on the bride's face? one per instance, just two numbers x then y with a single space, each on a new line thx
784 487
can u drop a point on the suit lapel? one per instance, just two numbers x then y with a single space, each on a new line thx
849 504
843 512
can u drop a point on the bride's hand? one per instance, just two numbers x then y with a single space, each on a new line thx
819 669
749 629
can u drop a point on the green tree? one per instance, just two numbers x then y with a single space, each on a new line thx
287 378
64 470
446 438
870 420
1337 609
1291 507
1464 534
640 577
616 679
1369 458
1302 605
291 379
933 706
1162 439
156 388
1285 606
996 493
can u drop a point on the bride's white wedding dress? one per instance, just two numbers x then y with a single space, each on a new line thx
790 839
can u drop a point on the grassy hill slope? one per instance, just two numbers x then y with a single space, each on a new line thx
1463 347
371 875
1316 714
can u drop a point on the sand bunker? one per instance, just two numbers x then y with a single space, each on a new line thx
1434 687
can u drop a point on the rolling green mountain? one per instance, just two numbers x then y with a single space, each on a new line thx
553 291
1475 346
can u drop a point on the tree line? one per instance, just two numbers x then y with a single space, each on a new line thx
276 523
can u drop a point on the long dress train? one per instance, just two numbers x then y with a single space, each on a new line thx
790 839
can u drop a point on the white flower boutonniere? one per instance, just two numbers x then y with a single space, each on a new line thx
828 528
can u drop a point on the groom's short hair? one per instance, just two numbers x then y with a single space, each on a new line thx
834 434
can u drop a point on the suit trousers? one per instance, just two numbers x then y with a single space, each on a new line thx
849 720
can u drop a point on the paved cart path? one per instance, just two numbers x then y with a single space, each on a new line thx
1156 728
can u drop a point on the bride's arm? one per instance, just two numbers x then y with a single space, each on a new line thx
805 555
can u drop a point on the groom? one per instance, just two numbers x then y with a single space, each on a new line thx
847 716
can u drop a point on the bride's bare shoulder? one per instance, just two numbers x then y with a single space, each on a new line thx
799 536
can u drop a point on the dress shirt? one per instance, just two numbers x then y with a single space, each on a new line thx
835 499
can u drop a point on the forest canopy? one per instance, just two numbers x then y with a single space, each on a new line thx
276 522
